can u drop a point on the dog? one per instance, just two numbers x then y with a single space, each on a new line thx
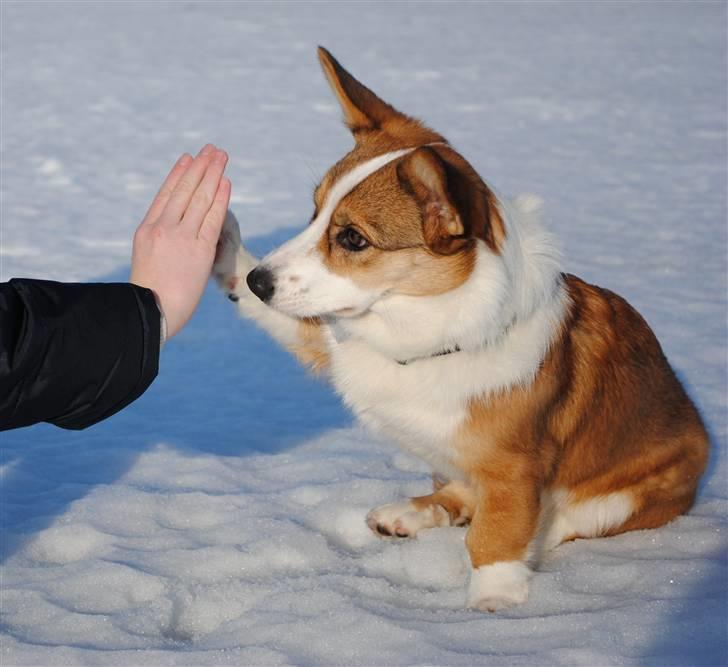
441 314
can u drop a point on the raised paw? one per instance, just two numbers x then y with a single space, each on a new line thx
232 261
405 520
499 586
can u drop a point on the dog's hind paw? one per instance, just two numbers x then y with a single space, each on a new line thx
405 520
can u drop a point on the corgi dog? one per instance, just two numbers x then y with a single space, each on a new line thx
441 315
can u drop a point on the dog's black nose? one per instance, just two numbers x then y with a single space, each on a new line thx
260 281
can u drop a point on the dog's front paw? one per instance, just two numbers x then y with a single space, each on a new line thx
232 261
405 520
499 586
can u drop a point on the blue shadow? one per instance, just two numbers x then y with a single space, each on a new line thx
224 387
694 630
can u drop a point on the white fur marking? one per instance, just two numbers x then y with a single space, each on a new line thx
498 586
590 518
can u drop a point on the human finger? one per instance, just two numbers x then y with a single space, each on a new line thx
204 195
165 191
184 189
213 222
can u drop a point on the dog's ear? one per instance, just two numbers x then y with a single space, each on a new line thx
363 110
423 175
456 205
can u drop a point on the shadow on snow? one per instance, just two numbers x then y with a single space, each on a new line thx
224 387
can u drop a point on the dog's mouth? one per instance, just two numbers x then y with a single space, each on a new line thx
302 308
348 312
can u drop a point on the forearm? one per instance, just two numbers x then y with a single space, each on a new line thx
74 354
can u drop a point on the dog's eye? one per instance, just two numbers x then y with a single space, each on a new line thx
349 239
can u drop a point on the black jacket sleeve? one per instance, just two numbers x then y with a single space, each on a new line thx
74 354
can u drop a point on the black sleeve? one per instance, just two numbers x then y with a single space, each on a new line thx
74 354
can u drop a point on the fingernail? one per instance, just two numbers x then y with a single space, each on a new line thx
185 159
220 156
207 149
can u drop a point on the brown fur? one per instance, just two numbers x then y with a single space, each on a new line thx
604 414
311 350
456 498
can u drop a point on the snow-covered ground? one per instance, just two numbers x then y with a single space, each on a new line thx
220 519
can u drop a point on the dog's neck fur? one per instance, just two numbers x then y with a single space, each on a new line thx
503 291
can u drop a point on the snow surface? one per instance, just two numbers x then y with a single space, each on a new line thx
220 519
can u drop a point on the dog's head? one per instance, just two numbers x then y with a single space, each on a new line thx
401 214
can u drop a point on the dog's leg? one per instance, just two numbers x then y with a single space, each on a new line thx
452 504
500 534
233 262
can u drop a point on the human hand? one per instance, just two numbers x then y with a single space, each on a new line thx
174 246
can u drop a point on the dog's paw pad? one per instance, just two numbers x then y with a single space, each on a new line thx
232 283
382 530
230 286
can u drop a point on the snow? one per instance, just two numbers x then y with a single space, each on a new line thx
220 519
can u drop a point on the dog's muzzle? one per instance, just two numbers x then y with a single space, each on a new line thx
260 282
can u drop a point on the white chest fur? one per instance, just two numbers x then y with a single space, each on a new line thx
409 404
422 404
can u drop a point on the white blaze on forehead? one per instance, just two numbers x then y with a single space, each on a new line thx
307 240
351 179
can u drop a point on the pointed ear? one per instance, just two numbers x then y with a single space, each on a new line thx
423 174
363 110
